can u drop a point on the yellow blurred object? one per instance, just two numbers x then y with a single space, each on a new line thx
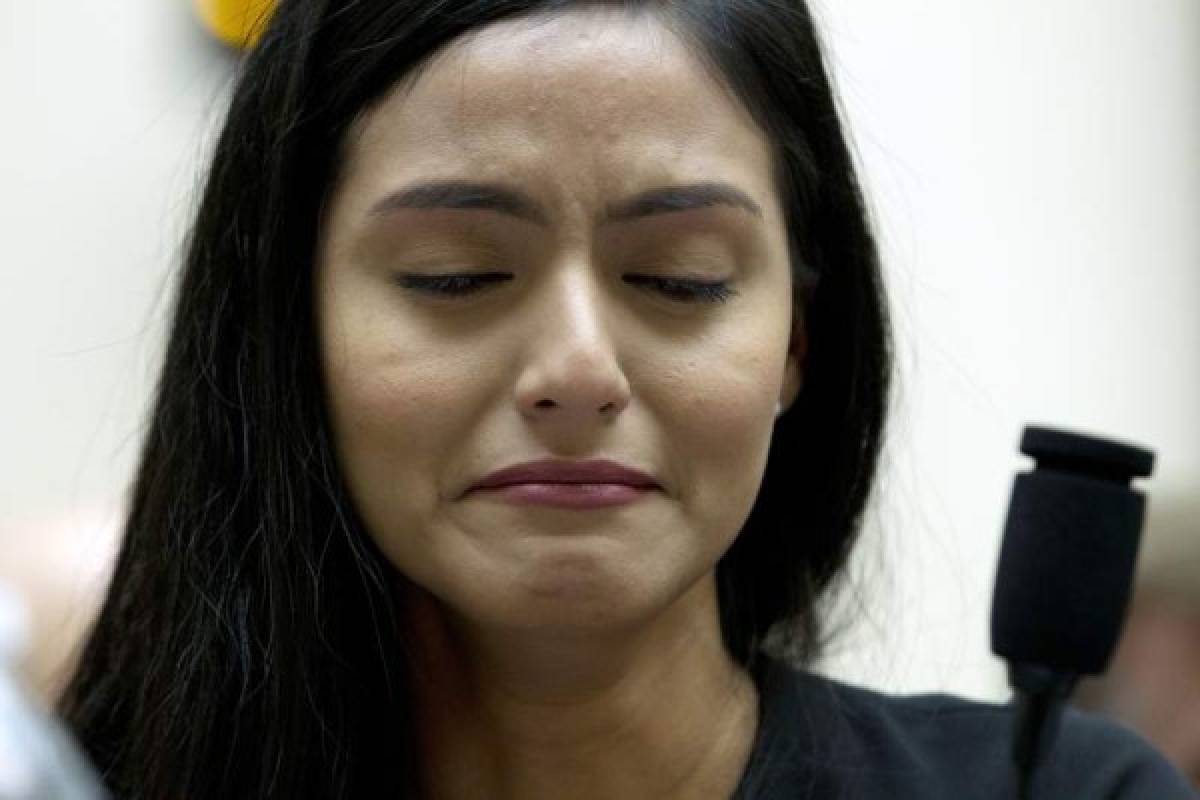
237 23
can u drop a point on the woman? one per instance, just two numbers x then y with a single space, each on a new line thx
618 245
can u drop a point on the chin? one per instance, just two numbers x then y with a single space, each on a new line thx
578 596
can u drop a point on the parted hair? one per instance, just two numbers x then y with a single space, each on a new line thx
249 644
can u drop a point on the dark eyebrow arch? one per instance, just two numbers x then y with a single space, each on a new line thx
512 202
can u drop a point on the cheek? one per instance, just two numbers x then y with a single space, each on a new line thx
722 424
387 382
396 408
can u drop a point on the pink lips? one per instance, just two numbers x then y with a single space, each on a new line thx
568 484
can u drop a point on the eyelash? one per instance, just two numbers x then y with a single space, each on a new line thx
684 291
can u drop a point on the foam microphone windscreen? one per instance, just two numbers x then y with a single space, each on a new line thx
1070 547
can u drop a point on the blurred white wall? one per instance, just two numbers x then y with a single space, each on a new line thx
107 108
1034 168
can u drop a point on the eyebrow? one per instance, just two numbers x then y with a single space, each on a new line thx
514 203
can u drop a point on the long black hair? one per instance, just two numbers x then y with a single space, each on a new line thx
249 644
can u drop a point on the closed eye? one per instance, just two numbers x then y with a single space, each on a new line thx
459 285
686 290
456 285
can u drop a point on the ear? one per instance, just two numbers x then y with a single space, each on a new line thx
793 374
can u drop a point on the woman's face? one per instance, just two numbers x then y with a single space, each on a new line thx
570 353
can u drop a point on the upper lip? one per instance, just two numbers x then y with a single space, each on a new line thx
552 470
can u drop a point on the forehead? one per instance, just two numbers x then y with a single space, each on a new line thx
596 99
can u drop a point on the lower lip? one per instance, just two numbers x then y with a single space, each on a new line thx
568 495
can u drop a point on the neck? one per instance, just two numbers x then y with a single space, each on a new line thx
661 711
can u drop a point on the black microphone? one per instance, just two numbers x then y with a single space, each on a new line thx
1065 576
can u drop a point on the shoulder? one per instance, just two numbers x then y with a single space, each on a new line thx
964 745
873 744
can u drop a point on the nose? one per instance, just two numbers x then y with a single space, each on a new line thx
571 372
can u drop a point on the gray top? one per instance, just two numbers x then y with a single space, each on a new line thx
822 739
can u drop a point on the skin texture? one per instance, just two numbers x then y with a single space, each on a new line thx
561 653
